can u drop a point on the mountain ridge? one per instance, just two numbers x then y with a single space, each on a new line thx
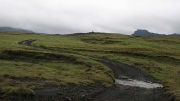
144 32
11 29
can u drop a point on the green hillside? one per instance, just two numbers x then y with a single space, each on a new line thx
71 59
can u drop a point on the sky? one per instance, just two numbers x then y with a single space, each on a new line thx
72 16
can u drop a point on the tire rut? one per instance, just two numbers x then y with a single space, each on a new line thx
27 42
122 92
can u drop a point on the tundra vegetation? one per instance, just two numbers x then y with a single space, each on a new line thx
71 59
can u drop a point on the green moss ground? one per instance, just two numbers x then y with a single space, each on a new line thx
158 56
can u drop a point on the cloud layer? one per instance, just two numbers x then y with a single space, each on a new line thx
70 16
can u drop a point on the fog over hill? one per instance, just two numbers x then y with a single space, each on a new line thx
2 29
71 16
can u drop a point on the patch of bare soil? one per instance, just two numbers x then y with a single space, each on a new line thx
130 93
26 42
100 93
60 93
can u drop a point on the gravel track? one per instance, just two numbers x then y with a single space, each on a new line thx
117 92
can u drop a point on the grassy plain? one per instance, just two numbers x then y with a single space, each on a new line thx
56 59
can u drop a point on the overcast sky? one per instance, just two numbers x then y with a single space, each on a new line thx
71 16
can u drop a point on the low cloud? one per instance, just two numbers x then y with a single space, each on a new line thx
71 16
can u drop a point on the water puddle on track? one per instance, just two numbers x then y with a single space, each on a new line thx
136 83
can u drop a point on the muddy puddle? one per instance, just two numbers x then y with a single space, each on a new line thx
137 83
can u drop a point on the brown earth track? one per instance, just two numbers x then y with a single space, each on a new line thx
27 42
128 93
100 93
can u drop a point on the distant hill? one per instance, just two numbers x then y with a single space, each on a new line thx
2 29
142 32
88 33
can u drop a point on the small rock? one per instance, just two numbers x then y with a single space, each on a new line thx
89 99
59 93
68 99
82 95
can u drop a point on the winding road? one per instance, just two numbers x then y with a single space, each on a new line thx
124 74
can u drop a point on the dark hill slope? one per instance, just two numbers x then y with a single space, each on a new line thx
2 29
142 32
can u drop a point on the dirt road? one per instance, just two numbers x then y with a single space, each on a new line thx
119 92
